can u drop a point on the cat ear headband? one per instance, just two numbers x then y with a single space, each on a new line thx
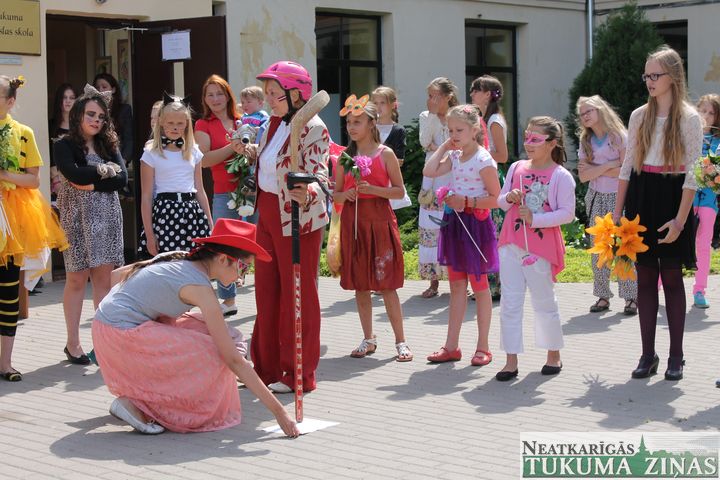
167 99
89 91
354 106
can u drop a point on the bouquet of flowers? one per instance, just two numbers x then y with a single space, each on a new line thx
8 160
243 198
707 172
358 166
618 244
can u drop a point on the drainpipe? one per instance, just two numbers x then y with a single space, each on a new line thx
590 8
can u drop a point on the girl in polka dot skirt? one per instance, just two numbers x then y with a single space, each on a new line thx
171 167
467 244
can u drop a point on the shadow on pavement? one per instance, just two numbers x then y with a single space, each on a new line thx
504 397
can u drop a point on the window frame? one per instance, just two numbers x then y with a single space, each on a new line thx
476 71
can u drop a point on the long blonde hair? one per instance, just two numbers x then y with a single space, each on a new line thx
390 97
189 139
673 146
470 114
607 117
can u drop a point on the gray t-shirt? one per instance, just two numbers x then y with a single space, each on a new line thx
151 292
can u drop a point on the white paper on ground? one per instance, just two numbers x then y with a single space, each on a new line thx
308 425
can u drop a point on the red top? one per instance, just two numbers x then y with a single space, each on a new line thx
222 180
378 175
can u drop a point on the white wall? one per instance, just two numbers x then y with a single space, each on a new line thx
550 44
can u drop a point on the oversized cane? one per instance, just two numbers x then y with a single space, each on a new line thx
316 103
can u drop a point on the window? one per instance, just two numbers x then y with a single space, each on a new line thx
675 34
348 61
490 50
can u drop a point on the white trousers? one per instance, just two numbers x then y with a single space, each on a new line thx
515 278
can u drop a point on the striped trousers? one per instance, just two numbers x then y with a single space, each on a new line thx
9 299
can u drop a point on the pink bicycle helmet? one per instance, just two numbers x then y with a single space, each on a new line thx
289 75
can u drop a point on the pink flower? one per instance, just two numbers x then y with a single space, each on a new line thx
442 192
363 163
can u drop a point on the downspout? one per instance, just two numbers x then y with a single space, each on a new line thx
590 8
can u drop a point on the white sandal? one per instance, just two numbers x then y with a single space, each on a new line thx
366 347
404 353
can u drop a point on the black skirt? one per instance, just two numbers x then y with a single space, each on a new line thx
656 198
176 220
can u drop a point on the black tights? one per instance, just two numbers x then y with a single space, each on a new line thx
9 300
672 283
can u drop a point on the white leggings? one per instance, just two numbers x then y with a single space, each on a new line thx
514 278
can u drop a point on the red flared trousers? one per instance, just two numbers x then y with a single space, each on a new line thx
272 345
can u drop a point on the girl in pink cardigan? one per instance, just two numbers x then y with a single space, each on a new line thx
538 196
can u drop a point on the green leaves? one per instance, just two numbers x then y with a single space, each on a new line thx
8 160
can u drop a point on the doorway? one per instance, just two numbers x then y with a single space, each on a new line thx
78 48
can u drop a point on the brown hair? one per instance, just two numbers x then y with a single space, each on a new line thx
714 101
225 87
555 131
390 97
11 85
488 83
371 111
448 88
673 147
106 141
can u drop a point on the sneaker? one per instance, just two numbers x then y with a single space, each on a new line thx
700 301
279 387
228 310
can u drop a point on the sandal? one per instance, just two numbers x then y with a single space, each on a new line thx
404 353
600 306
366 347
429 293
12 376
630 307
481 358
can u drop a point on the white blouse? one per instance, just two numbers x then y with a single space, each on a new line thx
267 175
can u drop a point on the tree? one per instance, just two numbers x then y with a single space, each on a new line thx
620 48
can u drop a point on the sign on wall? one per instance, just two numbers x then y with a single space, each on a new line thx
20 27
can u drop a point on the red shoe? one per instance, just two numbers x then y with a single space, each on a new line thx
444 355
481 358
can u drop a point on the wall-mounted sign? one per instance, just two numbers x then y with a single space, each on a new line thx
176 45
20 27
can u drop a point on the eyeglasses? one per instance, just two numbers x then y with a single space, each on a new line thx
535 139
93 116
588 112
652 76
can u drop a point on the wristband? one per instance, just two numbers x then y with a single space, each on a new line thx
678 226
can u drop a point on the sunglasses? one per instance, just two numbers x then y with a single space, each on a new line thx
534 139
587 112
652 76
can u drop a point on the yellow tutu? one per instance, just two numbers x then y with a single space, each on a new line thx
33 226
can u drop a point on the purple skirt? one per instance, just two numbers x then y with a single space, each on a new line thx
457 250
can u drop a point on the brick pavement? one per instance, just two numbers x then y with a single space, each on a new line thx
409 420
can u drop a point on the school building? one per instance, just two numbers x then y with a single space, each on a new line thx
535 47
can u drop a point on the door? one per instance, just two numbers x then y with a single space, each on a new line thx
152 76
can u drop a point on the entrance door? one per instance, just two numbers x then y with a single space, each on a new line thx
152 76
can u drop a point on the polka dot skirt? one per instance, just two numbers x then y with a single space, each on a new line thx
175 223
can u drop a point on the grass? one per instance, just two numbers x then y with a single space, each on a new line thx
577 266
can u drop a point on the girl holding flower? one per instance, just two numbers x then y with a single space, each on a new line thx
369 176
467 245
657 183
705 202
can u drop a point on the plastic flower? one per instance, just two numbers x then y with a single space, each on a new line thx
363 163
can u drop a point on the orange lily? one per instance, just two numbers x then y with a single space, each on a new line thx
624 270
603 226
631 246
628 228
604 252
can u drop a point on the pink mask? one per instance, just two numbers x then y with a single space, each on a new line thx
535 139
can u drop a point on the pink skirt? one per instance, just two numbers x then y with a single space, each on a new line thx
171 371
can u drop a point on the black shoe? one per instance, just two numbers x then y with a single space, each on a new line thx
81 360
675 369
504 376
717 383
646 366
551 369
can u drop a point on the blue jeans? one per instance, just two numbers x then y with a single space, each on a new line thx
220 209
